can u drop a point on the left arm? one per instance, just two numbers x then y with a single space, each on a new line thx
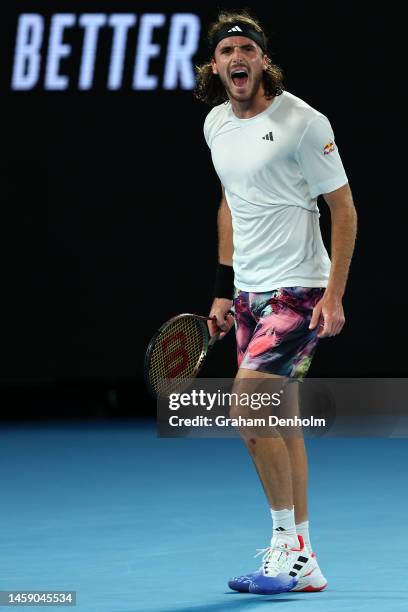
343 236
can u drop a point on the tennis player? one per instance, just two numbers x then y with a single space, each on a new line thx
274 155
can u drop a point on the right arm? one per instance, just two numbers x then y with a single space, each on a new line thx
220 305
224 222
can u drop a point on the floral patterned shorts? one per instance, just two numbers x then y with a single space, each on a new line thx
272 330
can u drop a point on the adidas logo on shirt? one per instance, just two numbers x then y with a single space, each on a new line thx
268 136
235 29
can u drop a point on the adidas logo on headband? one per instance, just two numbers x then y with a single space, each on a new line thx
241 28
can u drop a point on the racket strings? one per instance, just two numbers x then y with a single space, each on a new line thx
177 354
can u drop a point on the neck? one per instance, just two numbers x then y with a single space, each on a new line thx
249 108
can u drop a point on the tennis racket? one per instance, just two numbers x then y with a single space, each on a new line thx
176 353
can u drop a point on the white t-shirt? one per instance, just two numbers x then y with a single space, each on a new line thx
273 166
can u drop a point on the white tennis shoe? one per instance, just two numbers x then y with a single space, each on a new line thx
283 569
310 577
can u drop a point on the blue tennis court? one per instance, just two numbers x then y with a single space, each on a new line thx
132 522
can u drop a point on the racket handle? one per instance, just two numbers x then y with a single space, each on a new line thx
217 334
214 339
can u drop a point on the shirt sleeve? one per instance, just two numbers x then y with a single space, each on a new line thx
319 158
207 130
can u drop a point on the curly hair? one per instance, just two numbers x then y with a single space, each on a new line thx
209 87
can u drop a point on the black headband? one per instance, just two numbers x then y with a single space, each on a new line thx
238 29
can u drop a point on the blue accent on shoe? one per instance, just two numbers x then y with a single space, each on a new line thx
241 583
265 585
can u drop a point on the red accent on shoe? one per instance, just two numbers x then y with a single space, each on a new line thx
302 545
310 589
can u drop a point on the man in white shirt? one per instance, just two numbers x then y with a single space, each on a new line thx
274 155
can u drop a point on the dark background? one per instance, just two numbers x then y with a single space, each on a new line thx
110 199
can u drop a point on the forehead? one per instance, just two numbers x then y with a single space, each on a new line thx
231 41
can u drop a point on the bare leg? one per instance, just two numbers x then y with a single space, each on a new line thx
281 463
298 460
271 459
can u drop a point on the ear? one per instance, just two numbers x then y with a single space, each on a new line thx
266 61
214 66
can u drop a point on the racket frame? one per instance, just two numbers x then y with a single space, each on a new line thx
208 343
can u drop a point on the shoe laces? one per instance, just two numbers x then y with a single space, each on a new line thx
275 558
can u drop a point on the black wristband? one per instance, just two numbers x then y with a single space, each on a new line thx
224 282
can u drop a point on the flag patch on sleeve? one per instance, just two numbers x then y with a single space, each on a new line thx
329 148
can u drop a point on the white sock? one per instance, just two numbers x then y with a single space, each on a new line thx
303 530
283 524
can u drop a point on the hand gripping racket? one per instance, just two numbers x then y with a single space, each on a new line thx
177 352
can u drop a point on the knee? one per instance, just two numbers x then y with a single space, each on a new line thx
237 410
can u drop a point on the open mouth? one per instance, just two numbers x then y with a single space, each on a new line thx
239 77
